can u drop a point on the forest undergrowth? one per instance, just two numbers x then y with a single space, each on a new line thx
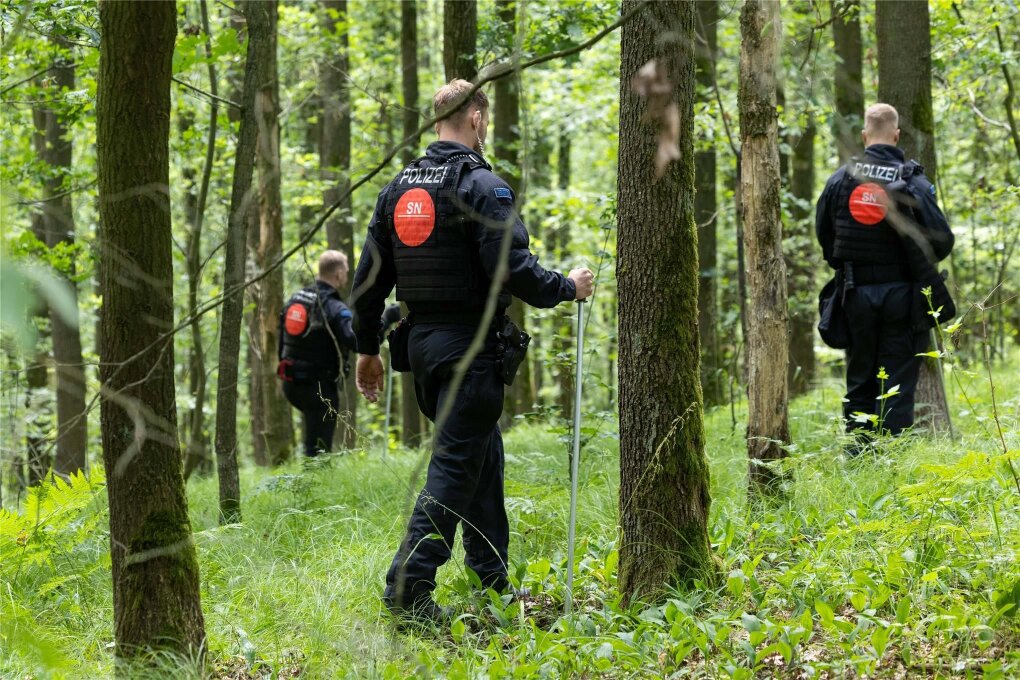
905 562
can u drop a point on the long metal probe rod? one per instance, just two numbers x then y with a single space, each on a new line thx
572 528
389 404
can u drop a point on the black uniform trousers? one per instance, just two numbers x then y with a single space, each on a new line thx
882 336
464 484
319 404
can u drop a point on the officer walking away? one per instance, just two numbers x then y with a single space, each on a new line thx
436 235
316 338
881 229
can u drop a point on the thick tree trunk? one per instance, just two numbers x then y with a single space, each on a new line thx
849 87
155 571
664 476
767 359
705 216
335 164
460 32
410 416
72 422
197 453
904 81
801 261
242 206
276 433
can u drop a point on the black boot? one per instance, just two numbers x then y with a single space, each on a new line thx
420 614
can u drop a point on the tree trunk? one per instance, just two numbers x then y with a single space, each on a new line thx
276 433
904 81
767 359
72 421
156 599
664 475
848 83
38 400
559 242
410 416
705 216
335 163
197 456
801 261
259 27
460 32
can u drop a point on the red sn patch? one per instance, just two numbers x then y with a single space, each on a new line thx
414 217
296 320
868 204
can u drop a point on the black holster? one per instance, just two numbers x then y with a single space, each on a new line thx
399 339
511 350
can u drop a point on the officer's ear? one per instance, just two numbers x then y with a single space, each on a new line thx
896 137
476 119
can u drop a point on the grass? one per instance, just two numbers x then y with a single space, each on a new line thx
901 564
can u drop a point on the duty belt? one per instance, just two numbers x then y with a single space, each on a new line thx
867 274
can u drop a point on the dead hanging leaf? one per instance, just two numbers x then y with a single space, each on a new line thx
652 83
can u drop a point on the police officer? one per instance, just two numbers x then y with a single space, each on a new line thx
880 227
436 235
316 338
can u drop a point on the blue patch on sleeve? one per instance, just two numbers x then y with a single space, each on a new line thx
503 194
931 190
346 314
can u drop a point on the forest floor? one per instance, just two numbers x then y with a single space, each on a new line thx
901 564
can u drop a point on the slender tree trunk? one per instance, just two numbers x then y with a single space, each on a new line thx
664 475
848 83
276 433
197 455
242 205
58 223
335 162
801 261
411 421
155 570
559 243
767 359
38 399
460 32
904 81
705 216
507 150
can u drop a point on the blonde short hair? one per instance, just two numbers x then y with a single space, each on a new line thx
881 120
452 95
331 263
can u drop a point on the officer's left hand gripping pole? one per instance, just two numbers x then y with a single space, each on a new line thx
568 603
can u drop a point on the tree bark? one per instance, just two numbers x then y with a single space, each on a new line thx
58 228
559 241
801 261
848 82
705 216
904 81
335 163
664 474
460 32
38 400
155 571
276 433
767 359
410 416
242 206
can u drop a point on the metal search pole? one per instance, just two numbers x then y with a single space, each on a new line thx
568 604
389 403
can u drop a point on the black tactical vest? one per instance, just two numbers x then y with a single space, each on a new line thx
306 339
439 271
866 202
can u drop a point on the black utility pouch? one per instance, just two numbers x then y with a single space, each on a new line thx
399 337
513 346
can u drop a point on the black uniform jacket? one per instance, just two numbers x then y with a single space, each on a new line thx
925 209
320 348
485 195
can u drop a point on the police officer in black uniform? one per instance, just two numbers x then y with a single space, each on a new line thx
436 235
880 227
316 338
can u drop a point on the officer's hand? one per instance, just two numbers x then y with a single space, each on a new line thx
369 376
584 282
